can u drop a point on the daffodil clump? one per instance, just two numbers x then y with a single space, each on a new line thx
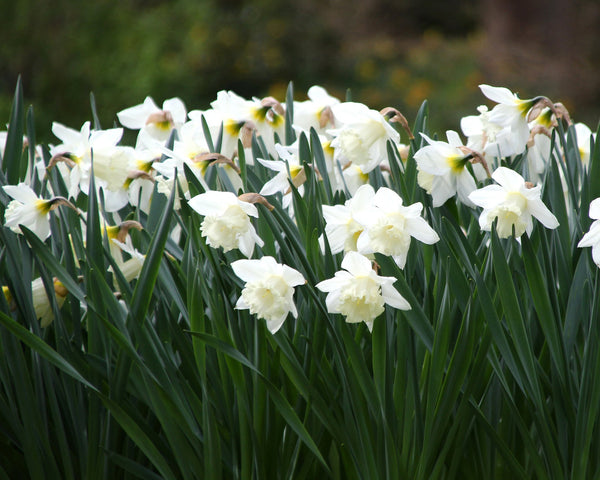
324 272
369 221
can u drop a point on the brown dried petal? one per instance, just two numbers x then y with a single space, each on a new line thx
255 198
125 227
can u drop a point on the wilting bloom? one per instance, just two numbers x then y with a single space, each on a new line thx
592 237
153 120
513 202
227 221
442 170
389 226
29 210
362 138
358 293
342 228
269 289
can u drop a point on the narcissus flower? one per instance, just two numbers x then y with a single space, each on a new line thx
584 135
442 170
227 221
511 112
29 210
358 293
362 138
488 138
592 237
342 228
155 121
269 289
280 183
513 202
316 112
389 226
41 303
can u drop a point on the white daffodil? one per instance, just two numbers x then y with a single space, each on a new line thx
592 237
341 227
41 303
358 293
269 289
227 221
279 183
112 163
389 226
511 112
153 120
29 210
441 170
352 178
539 144
362 138
241 118
488 138
584 134
513 202
315 112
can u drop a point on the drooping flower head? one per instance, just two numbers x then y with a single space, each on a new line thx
269 289
513 202
358 293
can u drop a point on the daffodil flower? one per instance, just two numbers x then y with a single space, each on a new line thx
389 226
511 112
279 183
442 170
153 120
358 293
112 163
592 237
363 136
269 289
316 112
584 134
490 139
341 227
29 210
513 202
241 118
227 221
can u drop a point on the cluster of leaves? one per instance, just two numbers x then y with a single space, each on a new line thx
495 371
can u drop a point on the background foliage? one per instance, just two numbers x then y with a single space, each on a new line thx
390 53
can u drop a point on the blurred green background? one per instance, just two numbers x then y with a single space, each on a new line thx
389 53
